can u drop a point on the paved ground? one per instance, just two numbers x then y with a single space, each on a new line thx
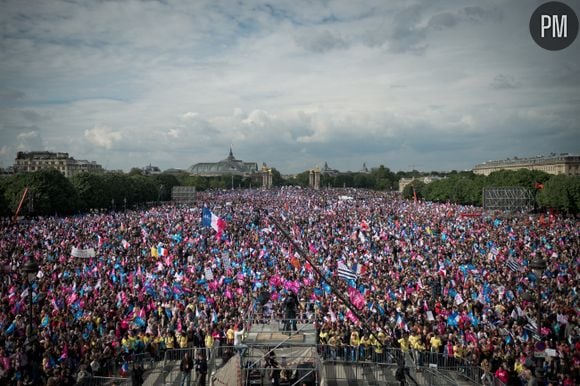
333 373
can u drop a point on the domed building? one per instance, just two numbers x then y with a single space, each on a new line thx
228 166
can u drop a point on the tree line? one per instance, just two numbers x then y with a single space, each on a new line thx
560 192
49 192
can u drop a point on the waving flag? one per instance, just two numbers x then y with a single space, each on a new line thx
209 219
360 269
345 272
514 265
356 298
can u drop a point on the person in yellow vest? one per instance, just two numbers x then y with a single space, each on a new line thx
333 343
168 340
379 347
230 336
126 343
209 341
363 347
146 338
435 344
404 343
458 350
414 339
158 345
354 343
323 337
419 348
182 339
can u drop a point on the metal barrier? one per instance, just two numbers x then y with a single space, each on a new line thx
104 381
372 373
295 363
335 362
462 367
437 378
427 363
112 367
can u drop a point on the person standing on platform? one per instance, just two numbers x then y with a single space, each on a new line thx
201 369
186 366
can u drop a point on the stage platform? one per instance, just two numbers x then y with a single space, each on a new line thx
272 333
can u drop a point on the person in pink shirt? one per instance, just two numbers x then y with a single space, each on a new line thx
502 373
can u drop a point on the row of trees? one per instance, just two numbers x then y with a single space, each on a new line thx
49 192
559 192
381 178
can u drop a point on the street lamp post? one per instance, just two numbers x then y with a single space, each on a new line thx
538 266
30 269
161 188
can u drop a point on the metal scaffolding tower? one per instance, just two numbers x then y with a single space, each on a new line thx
511 198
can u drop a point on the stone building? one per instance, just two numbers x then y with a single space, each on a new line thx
228 166
27 162
552 164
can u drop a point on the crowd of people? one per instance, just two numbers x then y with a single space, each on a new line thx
430 278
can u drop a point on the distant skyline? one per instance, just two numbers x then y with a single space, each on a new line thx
407 84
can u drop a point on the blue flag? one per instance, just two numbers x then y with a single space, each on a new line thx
206 217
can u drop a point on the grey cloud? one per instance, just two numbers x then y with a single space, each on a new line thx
407 35
321 41
163 60
465 15
479 14
443 20
11 95
34 116
504 82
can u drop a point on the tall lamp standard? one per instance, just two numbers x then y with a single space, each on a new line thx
538 266
30 269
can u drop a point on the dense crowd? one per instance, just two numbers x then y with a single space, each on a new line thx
429 278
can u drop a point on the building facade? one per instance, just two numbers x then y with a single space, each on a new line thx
27 162
425 179
552 164
228 166
328 171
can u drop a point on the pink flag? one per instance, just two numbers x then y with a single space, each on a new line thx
275 280
213 285
356 298
312 249
72 298
352 317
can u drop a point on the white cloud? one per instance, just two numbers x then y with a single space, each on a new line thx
287 82
28 140
26 136
103 136
189 116
174 133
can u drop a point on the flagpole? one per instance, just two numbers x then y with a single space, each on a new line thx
344 300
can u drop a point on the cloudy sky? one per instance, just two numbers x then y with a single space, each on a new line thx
437 85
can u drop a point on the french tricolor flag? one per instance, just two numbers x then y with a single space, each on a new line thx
210 219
